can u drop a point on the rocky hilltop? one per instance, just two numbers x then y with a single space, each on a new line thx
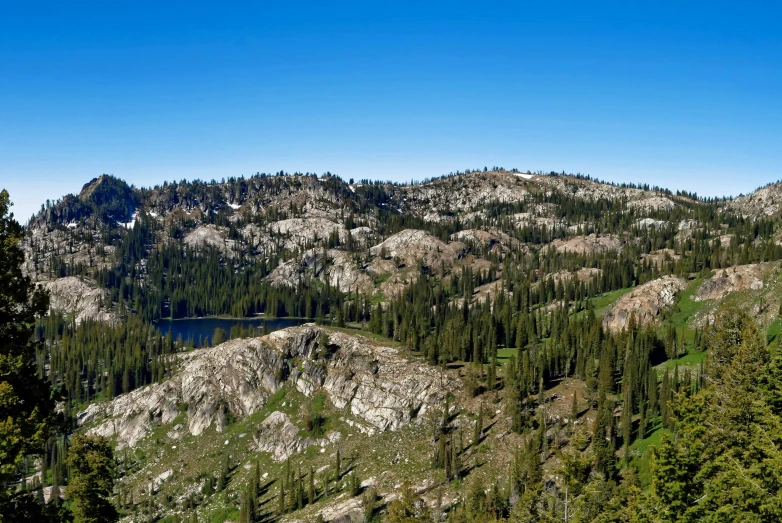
379 388
763 202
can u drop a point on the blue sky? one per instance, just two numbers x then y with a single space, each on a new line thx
681 94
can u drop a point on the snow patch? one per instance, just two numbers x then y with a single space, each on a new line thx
129 225
525 176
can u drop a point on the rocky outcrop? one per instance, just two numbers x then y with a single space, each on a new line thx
412 246
346 511
378 387
299 231
651 223
584 274
733 279
238 375
338 269
653 203
74 244
211 236
438 199
644 303
280 438
80 299
486 238
766 201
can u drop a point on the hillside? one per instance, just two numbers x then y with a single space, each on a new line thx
477 345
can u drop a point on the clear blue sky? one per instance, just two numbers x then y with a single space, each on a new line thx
684 96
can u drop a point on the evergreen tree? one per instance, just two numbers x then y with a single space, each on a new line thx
219 336
26 404
93 471
478 434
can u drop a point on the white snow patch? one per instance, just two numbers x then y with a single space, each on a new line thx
234 206
129 225
525 176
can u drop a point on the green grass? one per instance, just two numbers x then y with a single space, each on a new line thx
691 359
224 514
773 331
602 302
686 307
377 298
503 355
642 446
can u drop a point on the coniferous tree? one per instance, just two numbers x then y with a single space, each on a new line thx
478 434
27 406
93 472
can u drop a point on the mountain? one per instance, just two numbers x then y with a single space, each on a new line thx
478 343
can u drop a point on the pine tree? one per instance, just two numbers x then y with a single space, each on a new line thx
93 471
478 434
338 467
311 486
27 407
574 407
222 480
281 508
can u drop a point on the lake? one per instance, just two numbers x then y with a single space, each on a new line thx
201 330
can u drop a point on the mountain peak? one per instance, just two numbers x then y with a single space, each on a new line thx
109 197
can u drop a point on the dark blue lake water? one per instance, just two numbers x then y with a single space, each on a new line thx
200 330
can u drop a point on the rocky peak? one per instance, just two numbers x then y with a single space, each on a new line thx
109 197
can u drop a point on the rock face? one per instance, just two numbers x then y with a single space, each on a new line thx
438 198
79 298
739 278
651 223
348 511
766 201
210 235
279 437
654 203
339 271
644 303
375 384
299 231
490 239
412 246
584 274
